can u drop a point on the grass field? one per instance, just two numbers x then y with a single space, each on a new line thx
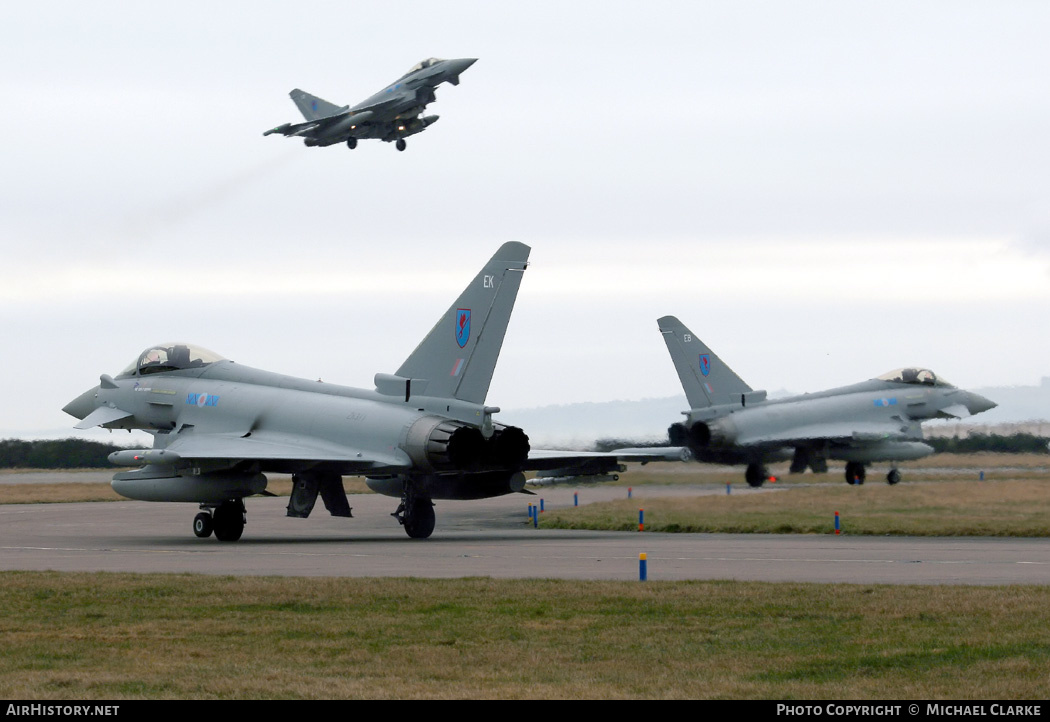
941 496
117 636
949 508
939 467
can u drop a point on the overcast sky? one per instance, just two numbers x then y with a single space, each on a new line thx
822 191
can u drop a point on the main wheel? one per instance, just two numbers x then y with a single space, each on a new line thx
756 475
202 525
894 477
229 521
400 144
351 143
855 472
420 519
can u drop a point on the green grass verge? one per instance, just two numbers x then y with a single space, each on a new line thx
123 636
950 508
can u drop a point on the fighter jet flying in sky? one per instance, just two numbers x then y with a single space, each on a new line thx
421 434
875 420
391 115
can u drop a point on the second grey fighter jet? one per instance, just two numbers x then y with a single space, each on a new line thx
875 420
391 115
423 433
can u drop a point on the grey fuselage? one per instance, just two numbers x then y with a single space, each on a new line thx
884 419
239 422
392 114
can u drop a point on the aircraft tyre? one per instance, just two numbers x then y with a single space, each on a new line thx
202 525
756 475
894 477
855 472
351 143
420 519
400 144
229 521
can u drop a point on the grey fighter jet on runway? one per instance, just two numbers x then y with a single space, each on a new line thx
423 433
391 115
875 420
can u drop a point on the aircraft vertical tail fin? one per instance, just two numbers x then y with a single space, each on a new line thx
311 106
706 380
458 356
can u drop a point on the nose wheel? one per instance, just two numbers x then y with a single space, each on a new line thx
202 525
401 145
226 521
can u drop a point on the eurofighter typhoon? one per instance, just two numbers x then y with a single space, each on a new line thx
423 433
391 115
875 420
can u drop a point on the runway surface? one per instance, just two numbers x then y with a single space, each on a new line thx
487 538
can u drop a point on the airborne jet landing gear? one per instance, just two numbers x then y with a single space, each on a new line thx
756 475
351 143
416 514
400 144
226 520
855 472
894 477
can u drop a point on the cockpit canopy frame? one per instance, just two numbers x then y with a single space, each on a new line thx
423 64
174 356
914 375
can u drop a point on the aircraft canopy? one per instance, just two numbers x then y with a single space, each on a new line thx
170 357
913 375
423 64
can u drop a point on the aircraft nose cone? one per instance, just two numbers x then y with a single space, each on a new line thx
977 403
83 405
464 63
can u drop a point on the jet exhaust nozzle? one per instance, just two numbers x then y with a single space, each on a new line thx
509 447
439 444
703 435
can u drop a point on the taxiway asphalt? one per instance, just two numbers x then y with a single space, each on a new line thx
490 538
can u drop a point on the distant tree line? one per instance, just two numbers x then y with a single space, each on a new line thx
1013 444
83 454
610 444
55 454
1020 443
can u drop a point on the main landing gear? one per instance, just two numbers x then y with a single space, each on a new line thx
855 473
756 475
416 514
351 143
226 520
401 145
